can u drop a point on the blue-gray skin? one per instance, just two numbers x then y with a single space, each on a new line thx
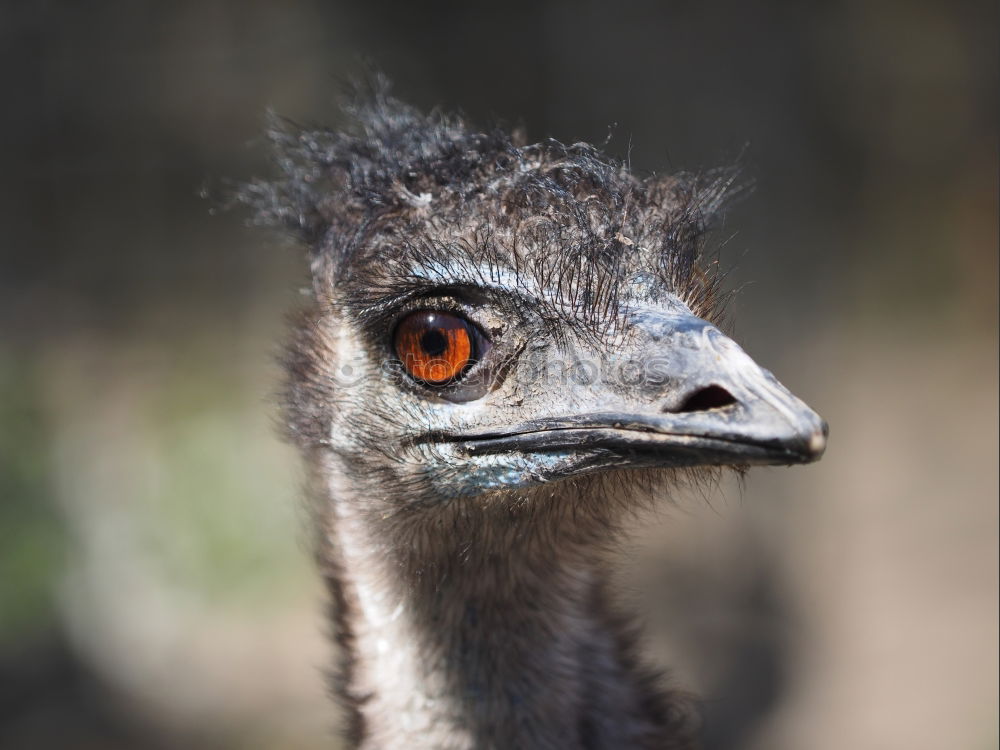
463 528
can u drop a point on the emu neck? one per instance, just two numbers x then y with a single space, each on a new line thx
479 627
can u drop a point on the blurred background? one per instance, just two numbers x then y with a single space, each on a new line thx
155 590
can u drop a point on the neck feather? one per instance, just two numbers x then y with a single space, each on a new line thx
485 623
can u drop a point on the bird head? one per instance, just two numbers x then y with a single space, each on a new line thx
490 315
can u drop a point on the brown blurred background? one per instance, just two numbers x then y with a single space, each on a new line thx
154 589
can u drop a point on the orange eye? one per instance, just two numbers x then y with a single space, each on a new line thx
435 347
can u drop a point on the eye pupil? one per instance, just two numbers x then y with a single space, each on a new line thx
433 342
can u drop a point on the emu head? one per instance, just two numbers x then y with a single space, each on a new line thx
491 315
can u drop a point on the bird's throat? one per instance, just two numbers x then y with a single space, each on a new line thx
481 627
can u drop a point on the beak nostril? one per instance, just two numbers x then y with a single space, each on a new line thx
710 397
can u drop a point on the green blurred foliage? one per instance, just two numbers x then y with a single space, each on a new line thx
32 538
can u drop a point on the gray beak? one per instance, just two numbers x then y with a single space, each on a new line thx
693 397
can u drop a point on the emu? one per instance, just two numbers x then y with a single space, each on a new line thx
509 349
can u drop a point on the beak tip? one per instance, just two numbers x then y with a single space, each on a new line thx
817 444
817 441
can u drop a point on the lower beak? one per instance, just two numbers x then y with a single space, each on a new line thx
652 442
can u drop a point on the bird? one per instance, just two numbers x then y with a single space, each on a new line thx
508 351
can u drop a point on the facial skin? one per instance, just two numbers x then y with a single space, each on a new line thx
659 388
